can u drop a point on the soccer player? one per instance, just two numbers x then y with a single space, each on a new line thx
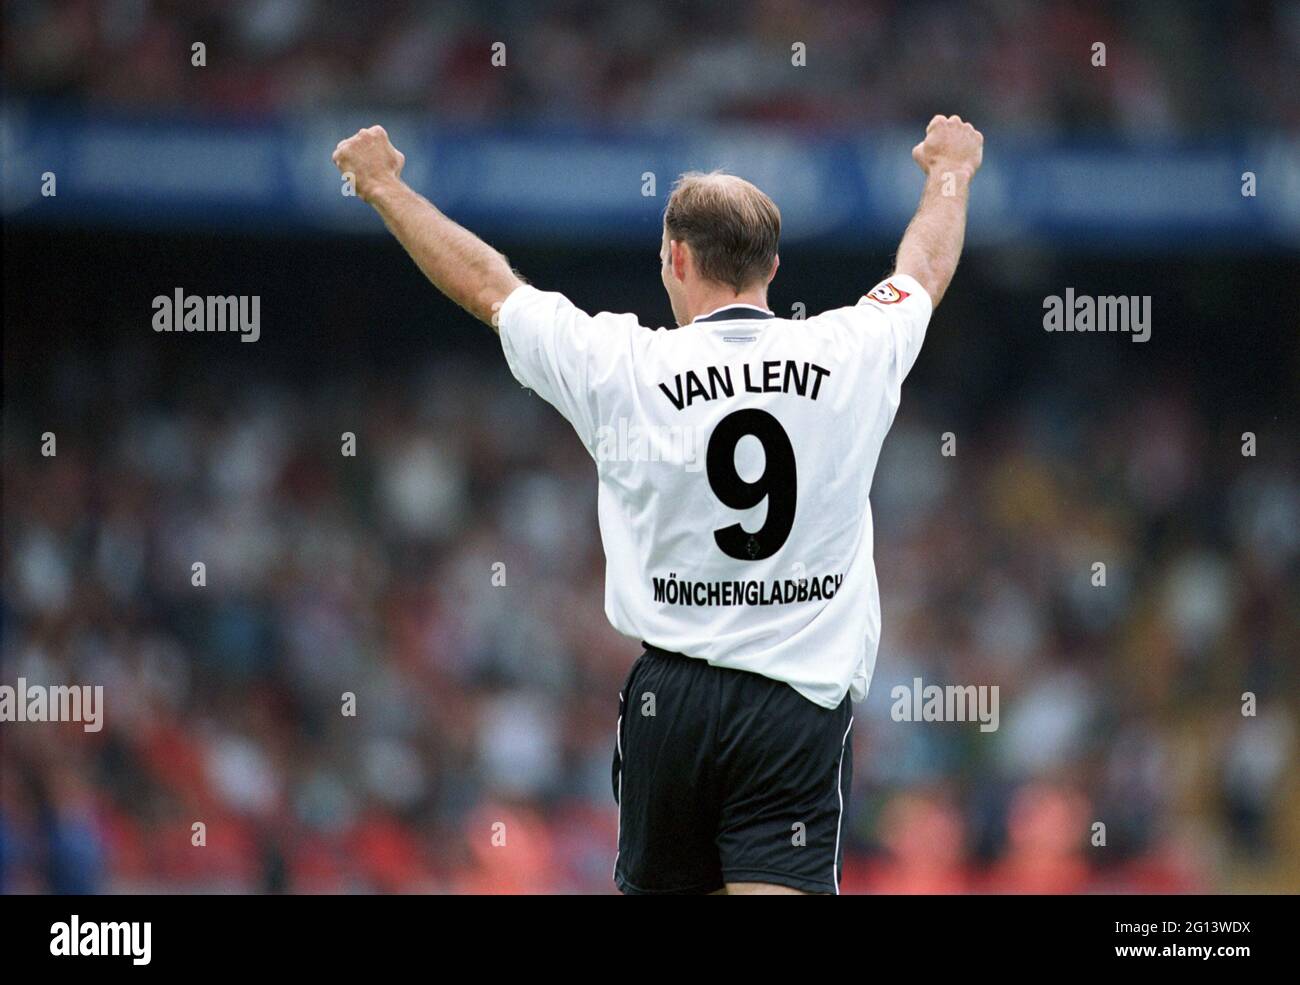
735 455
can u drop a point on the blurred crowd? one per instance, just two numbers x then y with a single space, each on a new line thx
397 675
1169 67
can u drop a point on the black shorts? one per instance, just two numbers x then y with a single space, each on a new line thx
726 776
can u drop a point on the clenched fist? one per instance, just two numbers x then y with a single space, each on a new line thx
373 160
950 145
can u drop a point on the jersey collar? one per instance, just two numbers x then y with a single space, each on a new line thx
729 312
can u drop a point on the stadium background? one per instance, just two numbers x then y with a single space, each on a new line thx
373 574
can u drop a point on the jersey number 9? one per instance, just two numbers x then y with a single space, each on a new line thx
777 484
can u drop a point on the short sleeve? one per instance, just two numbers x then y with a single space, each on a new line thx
906 308
572 360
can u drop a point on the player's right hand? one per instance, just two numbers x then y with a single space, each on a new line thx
950 145
373 160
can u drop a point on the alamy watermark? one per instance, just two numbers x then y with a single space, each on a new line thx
921 702
630 442
57 703
181 312
102 938
1104 313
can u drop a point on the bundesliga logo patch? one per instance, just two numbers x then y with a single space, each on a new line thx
886 293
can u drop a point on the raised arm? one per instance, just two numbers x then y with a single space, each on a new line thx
949 155
459 264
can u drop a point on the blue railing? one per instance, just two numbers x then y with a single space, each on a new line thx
608 186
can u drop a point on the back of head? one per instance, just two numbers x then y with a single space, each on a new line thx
732 228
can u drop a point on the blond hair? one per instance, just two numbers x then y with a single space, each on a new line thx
731 227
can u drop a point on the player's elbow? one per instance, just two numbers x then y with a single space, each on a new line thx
485 303
936 287
933 279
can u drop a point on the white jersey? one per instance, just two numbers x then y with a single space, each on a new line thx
735 458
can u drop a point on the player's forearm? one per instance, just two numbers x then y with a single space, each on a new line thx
459 264
932 244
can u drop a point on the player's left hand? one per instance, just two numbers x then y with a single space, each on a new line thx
371 157
950 144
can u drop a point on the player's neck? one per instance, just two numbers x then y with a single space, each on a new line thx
711 300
